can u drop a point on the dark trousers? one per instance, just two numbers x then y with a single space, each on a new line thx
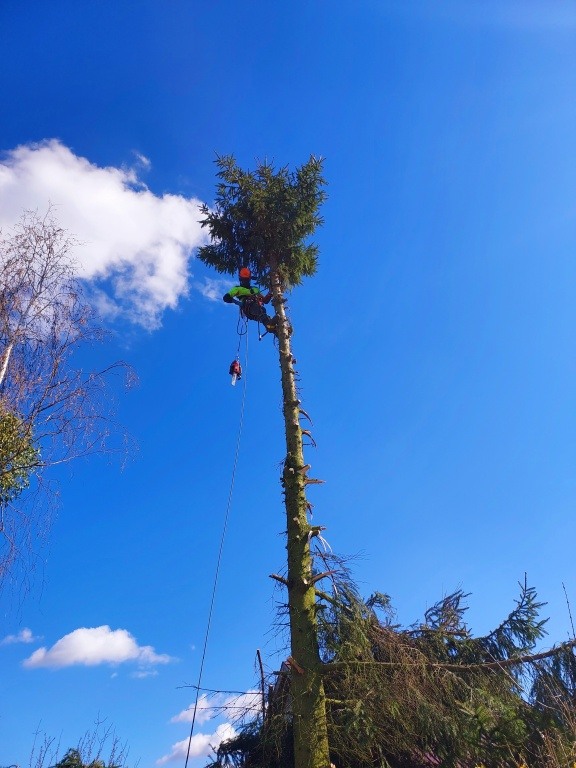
253 310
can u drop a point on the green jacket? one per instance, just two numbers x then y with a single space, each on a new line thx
239 291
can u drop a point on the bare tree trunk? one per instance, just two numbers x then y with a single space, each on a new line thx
311 748
5 361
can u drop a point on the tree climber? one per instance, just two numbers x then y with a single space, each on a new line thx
251 301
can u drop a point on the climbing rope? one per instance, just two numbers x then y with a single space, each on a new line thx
221 548
241 328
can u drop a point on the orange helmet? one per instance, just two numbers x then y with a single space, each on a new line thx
244 274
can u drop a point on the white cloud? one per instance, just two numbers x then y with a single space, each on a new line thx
24 636
95 645
138 242
201 744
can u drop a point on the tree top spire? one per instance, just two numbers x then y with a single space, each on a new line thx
265 217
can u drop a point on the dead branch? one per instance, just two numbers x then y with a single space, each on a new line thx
309 434
321 576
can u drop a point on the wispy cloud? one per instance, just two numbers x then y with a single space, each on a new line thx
201 745
213 288
95 645
134 244
204 712
141 674
24 636
233 707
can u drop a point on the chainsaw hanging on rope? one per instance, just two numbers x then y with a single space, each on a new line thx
235 371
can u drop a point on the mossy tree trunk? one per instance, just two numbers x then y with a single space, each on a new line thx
308 699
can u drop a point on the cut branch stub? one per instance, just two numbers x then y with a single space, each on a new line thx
293 664
309 434
279 578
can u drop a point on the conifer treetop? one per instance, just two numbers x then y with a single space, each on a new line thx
264 216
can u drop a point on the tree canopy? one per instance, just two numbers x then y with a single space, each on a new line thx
264 214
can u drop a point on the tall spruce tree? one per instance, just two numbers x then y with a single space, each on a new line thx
262 220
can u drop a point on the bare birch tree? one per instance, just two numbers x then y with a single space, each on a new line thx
50 411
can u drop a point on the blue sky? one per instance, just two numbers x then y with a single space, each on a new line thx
435 344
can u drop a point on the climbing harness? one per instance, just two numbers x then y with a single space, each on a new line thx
220 550
250 308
